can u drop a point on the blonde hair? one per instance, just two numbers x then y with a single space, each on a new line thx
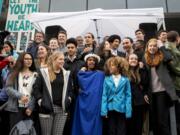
121 63
50 64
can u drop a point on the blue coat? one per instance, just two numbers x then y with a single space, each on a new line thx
87 118
117 99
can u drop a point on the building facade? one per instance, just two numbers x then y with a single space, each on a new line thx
171 8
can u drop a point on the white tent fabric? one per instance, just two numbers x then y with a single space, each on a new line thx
98 21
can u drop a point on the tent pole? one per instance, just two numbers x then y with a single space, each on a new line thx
49 8
126 4
87 4
97 31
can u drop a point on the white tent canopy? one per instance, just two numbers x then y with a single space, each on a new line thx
100 22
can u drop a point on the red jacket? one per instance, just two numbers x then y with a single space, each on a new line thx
3 63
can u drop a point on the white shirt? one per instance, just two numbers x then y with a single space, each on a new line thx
114 52
116 79
25 83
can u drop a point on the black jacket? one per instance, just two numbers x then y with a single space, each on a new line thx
74 67
139 89
42 91
163 74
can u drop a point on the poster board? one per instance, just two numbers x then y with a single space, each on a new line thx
18 23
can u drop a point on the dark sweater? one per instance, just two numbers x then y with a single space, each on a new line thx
57 89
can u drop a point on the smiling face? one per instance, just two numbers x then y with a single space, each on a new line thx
71 49
42 52
27 61
58 62
139 35
62 37
91 63
115 44
152 47
39 37
133 60
89 40
163 36
7 48
53 44
127 45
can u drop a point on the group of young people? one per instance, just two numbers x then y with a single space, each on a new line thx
71 88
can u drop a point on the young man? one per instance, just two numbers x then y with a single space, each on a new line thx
62 37
174 67
128 46
139 34
74 64
115 41
33 46
162 35
89 46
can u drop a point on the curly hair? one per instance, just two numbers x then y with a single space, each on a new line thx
120 63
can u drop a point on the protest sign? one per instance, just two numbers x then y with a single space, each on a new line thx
18 24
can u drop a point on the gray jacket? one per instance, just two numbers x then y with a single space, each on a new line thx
14 95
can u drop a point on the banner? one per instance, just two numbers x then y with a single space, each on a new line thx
18 24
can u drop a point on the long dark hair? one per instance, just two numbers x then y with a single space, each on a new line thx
134 74
94 43
101 51
10 45
19 67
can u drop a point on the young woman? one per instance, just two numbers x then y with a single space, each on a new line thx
105 53
19 89
116 98
161 88
42 56
53 92
9 50
87 119
139 82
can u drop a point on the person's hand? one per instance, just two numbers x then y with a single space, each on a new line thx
9 58
146 98
28 112
141 64
24 99
87 49
83 68
39 102
70 99
12 64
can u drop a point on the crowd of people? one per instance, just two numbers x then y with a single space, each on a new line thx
76 86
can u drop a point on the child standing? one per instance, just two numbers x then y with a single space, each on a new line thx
116 98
